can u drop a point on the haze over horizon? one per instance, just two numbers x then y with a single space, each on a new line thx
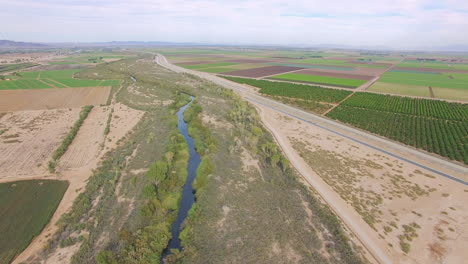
400 24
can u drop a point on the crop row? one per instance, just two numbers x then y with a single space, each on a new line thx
313 93
411 106
444 137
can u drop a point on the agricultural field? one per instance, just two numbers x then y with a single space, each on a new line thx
312 98
26 207
15 67
426 83
443 77
435 126
50 79
341 62
343 82
90 58
434 65
323 68
446 80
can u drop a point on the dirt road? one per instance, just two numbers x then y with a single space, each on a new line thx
443 168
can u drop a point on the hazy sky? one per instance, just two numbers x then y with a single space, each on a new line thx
397 23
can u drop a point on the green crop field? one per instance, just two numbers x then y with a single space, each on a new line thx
25 208
424 64
335 63
313 93
406 89
458 81
435 126
51 79
313 66
14 67
319 79
433 65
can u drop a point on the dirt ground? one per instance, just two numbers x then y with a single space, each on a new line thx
36 99
391 201
30 138
76 165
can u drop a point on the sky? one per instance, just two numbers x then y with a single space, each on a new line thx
401 24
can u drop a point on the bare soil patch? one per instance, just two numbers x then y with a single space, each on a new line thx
37 134
262 71
88 142
18 100
336 74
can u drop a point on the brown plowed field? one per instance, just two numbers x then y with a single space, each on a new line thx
337 74
430 70
248 60
193 62
261 72
17 100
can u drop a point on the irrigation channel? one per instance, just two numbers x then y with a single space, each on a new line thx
188 197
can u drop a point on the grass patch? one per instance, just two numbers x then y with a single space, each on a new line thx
26 207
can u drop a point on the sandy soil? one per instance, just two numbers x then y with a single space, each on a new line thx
76 166
365 184
17 100
30 139
88 142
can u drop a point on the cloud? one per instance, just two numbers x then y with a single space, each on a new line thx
395 23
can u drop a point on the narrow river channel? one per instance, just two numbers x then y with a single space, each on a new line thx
188 197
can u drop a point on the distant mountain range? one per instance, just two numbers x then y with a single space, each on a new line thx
9 44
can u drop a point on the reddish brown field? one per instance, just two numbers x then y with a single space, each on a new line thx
17 100
337 74
261 72
248 60
430 70
193 62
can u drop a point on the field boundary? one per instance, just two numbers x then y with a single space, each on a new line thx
58 153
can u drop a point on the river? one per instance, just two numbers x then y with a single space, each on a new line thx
188 197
